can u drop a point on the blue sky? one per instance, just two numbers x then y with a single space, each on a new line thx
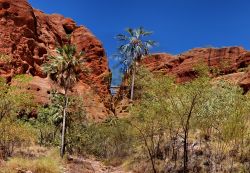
178 25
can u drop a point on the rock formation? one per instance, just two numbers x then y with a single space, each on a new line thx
229 63
28 36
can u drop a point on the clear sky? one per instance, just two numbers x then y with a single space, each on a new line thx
178 25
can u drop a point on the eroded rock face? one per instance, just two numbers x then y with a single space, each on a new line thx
232 61
229 63
28 36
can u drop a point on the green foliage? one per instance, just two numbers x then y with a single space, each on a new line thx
49 121
14 98
5 58
168 114
76 123
13 132
109 139
22 79
132 50
133 46
48 164
166 110
65 67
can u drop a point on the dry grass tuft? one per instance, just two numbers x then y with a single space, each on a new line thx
45 164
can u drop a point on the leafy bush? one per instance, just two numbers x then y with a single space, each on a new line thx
49 122
5 58
13 132
171 114
109 139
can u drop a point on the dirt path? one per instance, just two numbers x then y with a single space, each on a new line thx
90 165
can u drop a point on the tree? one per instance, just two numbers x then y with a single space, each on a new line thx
13 97
202 105
64 70
50 119
13 132
110 139
148 115
225 115
187 103
132 50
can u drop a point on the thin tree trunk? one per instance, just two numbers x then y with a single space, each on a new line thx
151 156
132 84
64 124
186 131
185 151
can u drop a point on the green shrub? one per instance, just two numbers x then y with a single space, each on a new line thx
109 139
167 111
13 132
5 58
49 122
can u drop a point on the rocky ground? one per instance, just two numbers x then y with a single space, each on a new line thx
70 164
90 165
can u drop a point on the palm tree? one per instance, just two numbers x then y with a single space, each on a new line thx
132 50
64 69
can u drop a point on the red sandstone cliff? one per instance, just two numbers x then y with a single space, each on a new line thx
230 63
28 36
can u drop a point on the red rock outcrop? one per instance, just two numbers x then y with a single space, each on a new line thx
221 61
229 63
28 36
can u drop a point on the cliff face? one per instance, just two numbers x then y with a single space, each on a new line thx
229 63
28 36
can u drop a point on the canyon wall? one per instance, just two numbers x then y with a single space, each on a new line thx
28 36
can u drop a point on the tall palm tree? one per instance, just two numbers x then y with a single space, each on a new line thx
64 69
132 50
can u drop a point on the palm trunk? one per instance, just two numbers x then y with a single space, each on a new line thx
132 84
64 124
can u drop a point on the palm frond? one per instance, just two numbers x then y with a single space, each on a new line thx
130 32
150 43
133 46
65 66
121 37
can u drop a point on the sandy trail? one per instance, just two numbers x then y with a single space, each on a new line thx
91 165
